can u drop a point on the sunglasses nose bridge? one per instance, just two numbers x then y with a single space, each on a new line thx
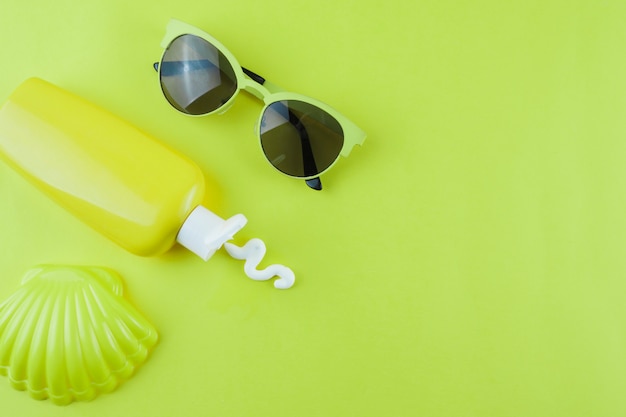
255 89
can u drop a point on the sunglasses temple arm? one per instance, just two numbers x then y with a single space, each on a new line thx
268 86
253 75
308 159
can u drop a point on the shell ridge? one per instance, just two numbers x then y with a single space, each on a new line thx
79 385
13 302
132 330
101 372
136 323
56 367
124 334
17 333
35 381
19 308
8 332
110 340
121 337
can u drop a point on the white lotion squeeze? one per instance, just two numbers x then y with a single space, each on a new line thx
253 252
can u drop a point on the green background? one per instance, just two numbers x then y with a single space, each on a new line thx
468 260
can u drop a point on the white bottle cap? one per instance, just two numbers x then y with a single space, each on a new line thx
204 232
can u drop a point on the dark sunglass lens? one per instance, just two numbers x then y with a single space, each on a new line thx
196 77
300 139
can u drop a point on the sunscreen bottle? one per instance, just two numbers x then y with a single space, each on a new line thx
129 187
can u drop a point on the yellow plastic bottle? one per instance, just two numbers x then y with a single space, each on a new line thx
139 193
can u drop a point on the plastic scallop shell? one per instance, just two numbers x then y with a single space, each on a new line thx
68 334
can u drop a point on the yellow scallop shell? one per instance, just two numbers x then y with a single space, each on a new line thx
68 334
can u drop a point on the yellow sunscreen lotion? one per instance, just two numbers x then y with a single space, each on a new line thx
129 187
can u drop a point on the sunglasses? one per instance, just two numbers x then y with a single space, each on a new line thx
300 136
